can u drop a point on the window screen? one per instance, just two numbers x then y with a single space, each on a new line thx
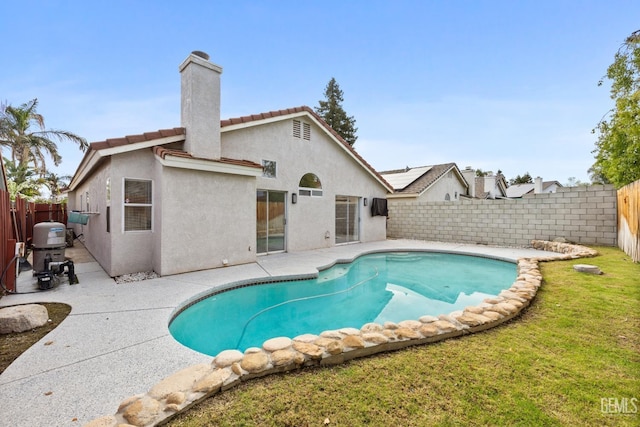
138 207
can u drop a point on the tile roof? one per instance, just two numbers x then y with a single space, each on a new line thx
425 180
162 133
132 139
163 152
320 120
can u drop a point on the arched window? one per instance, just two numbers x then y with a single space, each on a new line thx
310 185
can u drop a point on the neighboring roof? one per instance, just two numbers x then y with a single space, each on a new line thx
423 177
277 115
403 178
519 190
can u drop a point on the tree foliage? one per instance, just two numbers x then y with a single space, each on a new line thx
332 112
524 179
617 150
21 181
28 146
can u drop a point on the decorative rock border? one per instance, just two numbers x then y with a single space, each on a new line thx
187 387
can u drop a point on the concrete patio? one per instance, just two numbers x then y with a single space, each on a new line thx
115 343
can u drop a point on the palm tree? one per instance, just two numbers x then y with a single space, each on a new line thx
21 180
29 147
55 183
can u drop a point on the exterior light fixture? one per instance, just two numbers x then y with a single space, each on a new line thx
365 201
294 198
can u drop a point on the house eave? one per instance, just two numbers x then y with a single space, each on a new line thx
403 196
208 166
140 145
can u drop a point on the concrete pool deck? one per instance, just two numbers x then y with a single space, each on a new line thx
115 342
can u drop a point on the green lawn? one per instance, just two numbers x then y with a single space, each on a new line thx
578 343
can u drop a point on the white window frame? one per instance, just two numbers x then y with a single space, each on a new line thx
125 205
310 191
275 169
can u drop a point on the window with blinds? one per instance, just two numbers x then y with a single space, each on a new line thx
138 205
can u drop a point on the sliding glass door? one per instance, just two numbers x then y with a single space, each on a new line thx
270 210
347 219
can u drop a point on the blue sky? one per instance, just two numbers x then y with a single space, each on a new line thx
509 85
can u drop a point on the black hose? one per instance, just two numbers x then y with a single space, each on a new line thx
4 272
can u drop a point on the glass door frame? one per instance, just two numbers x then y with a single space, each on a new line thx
266 243
351 219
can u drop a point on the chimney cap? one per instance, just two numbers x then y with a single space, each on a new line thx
201 54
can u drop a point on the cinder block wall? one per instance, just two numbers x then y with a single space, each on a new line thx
584 215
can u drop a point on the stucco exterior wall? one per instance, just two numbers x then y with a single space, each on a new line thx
310 218
206 218
132 251
449 184
584 215
94 233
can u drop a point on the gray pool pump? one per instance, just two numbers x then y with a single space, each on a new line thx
49 242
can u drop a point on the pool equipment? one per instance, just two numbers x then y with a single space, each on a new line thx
49 242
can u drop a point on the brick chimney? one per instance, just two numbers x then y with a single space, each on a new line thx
200 105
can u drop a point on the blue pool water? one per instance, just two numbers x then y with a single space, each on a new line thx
374 288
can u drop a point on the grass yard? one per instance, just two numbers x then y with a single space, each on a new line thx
577 344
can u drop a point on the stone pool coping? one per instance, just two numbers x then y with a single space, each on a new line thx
187 387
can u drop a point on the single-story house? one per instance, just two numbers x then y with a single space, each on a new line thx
217 192
536 187
427 183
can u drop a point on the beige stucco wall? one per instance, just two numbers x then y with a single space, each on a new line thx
311 218
448 184
132 251
94 234
206 218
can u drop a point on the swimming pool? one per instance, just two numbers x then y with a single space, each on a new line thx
383 287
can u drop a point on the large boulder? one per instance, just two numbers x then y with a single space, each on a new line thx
20 318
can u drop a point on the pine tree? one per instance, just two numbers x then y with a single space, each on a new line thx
332 112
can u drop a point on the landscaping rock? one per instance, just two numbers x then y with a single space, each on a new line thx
276 344
255 362
208 383
227 358
586 268
429 329
142 412
308 349
353 341
282 357
180 381
22 318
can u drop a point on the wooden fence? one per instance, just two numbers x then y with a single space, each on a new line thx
16 225
629 220
7 242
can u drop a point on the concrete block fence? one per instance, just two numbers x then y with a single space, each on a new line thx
583 215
